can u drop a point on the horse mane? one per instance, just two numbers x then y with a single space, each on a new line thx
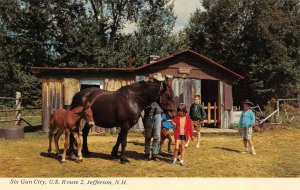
136 85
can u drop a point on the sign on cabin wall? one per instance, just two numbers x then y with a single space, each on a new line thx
184 70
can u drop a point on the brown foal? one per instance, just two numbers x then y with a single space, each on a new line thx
65 121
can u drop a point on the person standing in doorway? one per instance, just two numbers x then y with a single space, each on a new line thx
197 114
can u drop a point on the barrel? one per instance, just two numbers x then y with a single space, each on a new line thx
12 132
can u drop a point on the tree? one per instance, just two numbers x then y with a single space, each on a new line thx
258 39
79 33
153 35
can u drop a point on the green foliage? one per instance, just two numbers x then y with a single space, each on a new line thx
258 39
78 33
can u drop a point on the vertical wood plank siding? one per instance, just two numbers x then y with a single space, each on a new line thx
228 96
52 99
58 94
185 90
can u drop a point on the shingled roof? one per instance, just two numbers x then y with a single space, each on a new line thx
40 70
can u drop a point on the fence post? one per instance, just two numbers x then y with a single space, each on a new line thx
215 114
299 100
208 112
18 108
202 123
277 107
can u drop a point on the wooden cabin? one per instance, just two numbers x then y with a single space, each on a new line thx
191 73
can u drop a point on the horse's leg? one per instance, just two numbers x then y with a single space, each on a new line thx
114 152
79 145
85 133
56 138
67 142
124 133
71 150
50 141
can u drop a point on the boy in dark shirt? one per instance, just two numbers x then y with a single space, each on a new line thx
197 114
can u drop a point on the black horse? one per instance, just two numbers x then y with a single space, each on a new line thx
122 108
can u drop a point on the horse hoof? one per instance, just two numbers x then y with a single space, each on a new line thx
73 157
62 161
58 156
78 160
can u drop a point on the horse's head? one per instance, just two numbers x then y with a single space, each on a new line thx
88 114
166 99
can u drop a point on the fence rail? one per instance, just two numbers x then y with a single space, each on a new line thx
18 110
209 109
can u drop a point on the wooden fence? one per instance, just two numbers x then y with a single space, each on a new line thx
212 114
17 109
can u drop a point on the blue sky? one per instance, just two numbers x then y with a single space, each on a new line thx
183 10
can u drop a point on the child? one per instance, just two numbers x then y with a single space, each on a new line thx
245 125
197 115
166 126
182 132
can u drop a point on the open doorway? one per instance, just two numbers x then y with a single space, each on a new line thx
209 91
91 83
209 94
84 86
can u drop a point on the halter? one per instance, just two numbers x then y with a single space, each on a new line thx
158 94
150 95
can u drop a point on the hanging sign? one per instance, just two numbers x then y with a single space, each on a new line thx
184 70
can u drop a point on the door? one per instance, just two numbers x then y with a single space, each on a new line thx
185 90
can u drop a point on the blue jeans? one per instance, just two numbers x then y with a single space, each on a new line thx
156 128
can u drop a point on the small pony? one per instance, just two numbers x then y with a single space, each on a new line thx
65 121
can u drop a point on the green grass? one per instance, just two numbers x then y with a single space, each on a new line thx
278 155
34 121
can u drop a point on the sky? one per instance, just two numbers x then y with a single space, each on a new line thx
183 10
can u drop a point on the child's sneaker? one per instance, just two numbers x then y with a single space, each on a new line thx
174 162
178 158
182 164
253 152
186 145
245 151
198 145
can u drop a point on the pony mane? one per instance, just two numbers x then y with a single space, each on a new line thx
78 110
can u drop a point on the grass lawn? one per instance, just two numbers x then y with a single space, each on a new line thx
278 155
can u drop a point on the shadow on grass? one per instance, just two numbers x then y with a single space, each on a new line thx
31 128
163 157
129 154
228 149
137 143
56 157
